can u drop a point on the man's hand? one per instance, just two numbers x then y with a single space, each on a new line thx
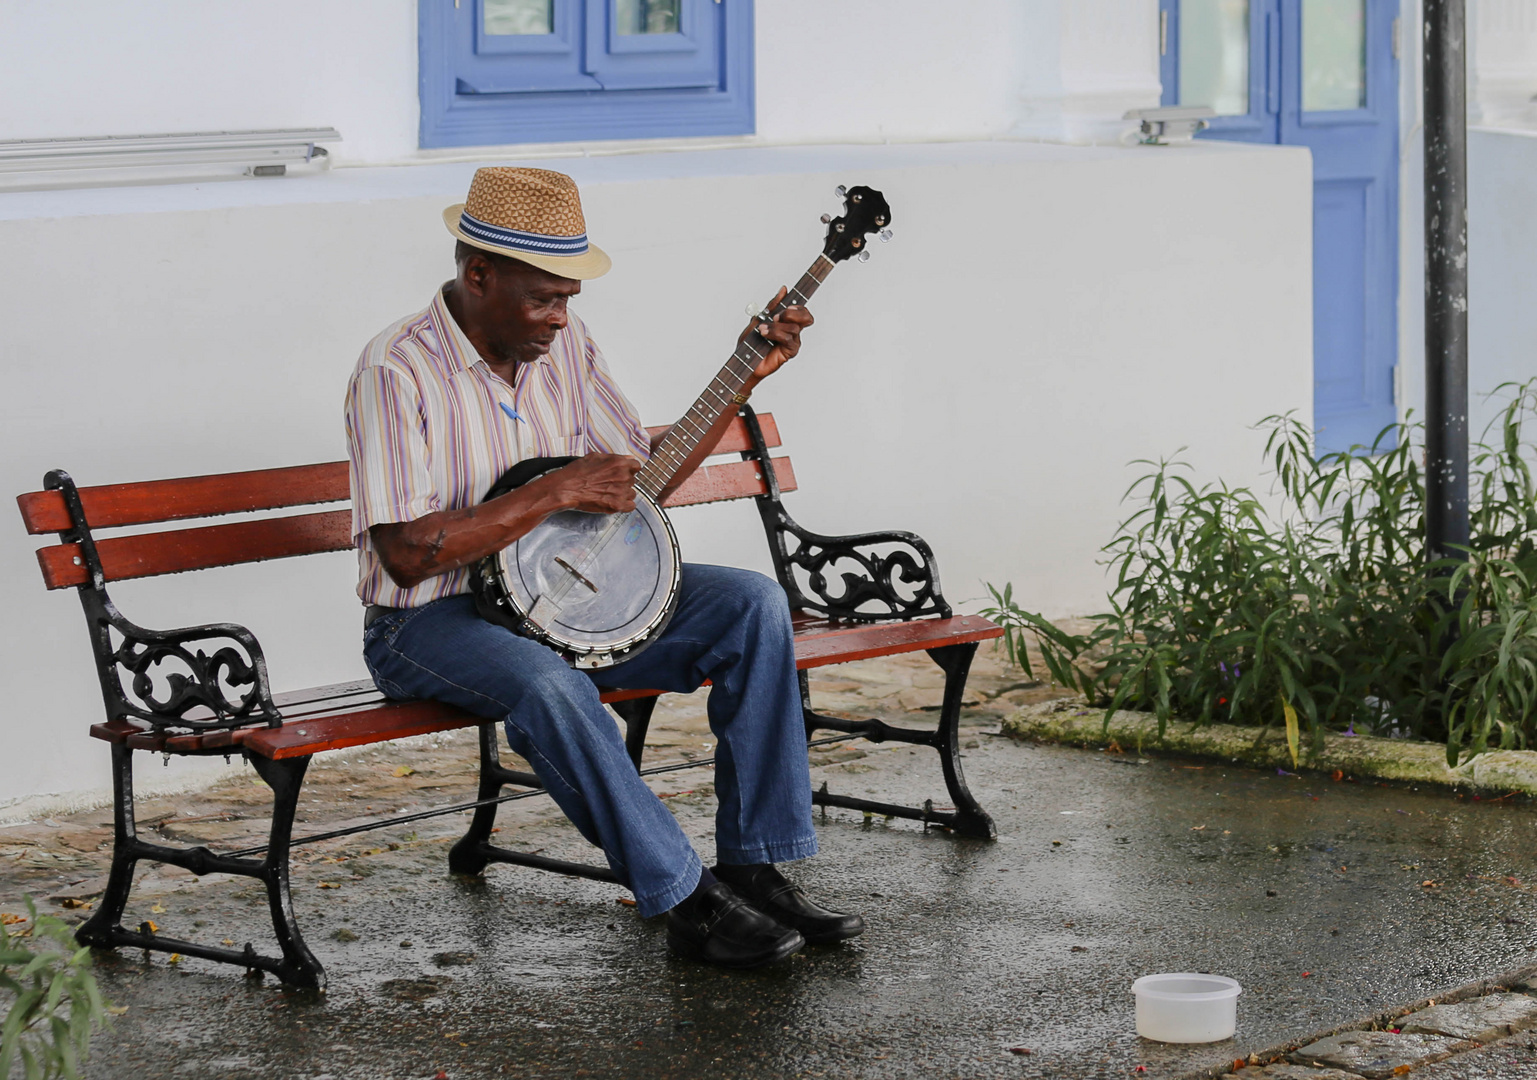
783 333
597 483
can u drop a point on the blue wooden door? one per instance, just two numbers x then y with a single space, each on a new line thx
1320 74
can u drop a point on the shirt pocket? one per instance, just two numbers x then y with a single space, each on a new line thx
573 445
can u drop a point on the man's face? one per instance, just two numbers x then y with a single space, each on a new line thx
520 307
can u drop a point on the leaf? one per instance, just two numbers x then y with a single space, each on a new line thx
1291 729
403 770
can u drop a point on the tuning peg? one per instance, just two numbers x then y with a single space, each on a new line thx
826 218
840 191
864 256
885 235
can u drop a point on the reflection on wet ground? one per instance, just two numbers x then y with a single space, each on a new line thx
1327 900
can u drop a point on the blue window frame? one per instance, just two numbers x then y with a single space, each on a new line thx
584 76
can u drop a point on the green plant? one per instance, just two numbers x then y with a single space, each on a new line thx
55 1004
1318 607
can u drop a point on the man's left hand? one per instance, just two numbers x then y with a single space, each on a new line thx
783 333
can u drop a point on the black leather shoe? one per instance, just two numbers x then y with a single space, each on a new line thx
723 929
766 889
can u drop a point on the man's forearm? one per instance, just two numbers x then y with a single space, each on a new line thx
413 551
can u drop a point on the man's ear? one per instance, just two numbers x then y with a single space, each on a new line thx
476 272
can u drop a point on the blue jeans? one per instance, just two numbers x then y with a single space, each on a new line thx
731 627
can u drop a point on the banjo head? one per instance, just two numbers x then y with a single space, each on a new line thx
595 587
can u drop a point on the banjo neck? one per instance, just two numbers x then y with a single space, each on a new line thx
722 395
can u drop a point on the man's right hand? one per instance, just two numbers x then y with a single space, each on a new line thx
597 483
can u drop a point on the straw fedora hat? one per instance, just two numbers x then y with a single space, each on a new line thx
533 215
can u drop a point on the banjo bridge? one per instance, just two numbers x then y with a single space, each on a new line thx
574 572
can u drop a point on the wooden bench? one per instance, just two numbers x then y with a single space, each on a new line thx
205 689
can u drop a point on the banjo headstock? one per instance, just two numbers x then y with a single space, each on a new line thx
864 212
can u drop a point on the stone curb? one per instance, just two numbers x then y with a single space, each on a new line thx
1077 724
1522 979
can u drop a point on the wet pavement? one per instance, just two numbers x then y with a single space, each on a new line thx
1329 901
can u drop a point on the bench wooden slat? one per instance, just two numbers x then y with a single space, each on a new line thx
736 439
733 480
176 550
113 505
355 714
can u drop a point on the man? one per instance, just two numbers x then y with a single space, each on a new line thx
497 370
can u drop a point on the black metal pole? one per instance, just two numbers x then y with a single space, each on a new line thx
1446 278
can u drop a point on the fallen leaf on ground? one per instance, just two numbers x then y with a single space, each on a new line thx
403 770
75 902
328 885
175 958
626 901
9 919
1197 828
1430 884
227 941
157 908
1021 1050
117 1010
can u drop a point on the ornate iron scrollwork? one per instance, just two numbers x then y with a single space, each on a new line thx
864 578
158 675
868 577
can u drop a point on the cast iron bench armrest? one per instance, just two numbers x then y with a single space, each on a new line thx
167 683
885 576
866 577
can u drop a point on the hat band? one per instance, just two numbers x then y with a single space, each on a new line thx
533 243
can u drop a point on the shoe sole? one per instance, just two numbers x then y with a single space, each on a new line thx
833 938
691 950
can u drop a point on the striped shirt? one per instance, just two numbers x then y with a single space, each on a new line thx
430 427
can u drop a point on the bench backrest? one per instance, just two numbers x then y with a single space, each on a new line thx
171 551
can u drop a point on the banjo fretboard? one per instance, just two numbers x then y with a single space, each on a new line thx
720 397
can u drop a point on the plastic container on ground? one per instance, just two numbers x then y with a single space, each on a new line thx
1184 1007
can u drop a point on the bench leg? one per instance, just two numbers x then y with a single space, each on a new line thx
98 930
299 967
636 714
473 852
468 856
970 819
104 930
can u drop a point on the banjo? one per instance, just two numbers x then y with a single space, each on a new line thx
599 588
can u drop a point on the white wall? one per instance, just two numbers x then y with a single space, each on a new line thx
1044 315
139 67
844 71
1502 192
1502 267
